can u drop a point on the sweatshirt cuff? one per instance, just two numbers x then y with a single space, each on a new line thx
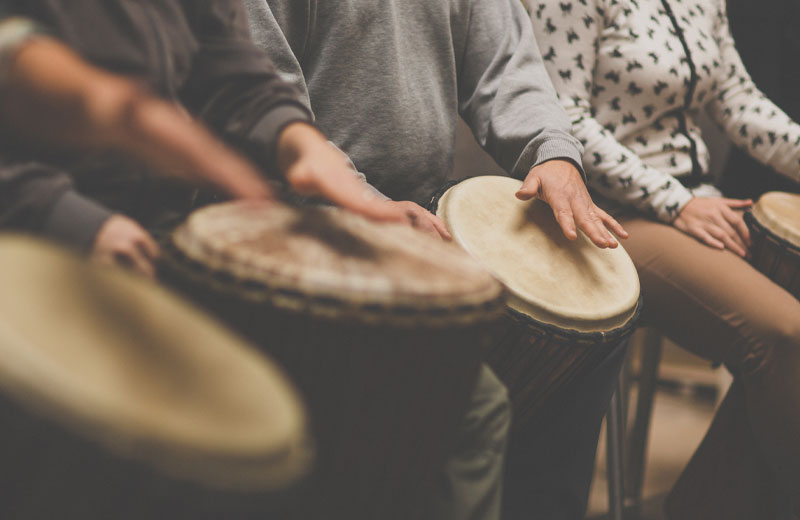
75 220
677 201
554 147
266 132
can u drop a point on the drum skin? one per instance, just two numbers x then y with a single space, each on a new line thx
383 329
571 304
774 227
117 400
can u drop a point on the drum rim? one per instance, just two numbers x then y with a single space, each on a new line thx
754 223
759 209
632 312
235 466
480 306
586 338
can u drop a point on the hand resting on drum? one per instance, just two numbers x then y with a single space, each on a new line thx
315 168
54 97
559 184
123 242
715 222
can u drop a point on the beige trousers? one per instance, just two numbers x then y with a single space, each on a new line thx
719 307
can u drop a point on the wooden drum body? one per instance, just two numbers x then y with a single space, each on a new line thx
119 401
381 327
775 230
570 303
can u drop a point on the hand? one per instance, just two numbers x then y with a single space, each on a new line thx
715 222
559 184
54 97
315 168
123 242
422 219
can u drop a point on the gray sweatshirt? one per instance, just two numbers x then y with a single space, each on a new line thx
387 80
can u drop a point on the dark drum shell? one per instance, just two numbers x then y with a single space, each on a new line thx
386 384
774 256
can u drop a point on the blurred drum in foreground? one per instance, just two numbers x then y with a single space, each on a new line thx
570 303
119 401
775 230
381 326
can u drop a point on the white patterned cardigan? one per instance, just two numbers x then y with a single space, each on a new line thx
633 74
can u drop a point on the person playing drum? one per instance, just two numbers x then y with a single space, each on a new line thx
51 96
387 81
633 75
202 58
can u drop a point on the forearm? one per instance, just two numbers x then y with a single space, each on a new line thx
506 95
39 199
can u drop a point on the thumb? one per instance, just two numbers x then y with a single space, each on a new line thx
530 188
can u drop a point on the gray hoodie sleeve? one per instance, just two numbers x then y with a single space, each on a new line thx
505 93
281 31
39 198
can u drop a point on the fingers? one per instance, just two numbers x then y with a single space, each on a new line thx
344 189
135 260
591 224
730 238
611 223
530 188
738 203
566 220
735 219
440 226
425 221
705 236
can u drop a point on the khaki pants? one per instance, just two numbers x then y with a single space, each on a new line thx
719 307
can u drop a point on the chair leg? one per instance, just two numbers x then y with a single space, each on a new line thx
615 435
637 442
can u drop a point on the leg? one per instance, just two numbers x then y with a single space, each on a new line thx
717 305
550 466
471 484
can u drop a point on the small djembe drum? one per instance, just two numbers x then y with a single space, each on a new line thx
775 231
119 401
381 326
570 304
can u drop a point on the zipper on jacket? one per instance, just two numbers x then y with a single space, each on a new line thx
696 177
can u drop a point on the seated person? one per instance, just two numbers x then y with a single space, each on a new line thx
50 96
202 58
632 75
387 82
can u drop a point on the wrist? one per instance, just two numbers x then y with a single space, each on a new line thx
295 140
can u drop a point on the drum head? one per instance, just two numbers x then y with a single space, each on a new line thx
572 285
332 262
115 359
779 213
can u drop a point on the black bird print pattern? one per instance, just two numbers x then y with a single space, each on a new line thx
632 76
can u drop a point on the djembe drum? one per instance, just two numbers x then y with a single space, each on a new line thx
381 326
775 230
119 401
570 304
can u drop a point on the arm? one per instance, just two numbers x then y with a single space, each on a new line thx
280 29
612 168
752 121
506 97
505 94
